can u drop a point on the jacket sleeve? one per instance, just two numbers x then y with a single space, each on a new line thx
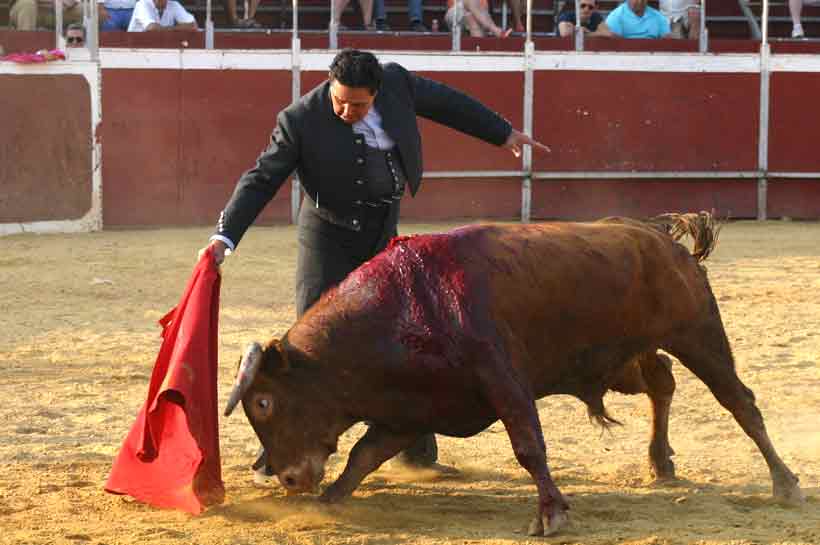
258 185
442 104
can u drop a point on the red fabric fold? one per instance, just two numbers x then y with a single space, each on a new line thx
170 458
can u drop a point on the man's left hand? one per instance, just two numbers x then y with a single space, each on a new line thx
517 139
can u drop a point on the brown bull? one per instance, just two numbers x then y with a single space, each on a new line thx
448 333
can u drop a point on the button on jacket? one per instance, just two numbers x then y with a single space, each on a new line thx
329 157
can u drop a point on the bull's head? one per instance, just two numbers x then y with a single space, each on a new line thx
297 430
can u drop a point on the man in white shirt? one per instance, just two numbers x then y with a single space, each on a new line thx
160 15
684 17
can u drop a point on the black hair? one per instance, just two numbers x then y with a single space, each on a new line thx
354 68
75 26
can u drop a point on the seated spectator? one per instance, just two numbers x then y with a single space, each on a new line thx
475 18
33 14
796 10
115 14
634 19
684 17
414 14
590 18
75 35
233 18
367 13
160 15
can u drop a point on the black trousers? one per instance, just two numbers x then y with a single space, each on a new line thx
327 254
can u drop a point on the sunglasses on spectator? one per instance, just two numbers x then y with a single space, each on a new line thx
587 6
74 40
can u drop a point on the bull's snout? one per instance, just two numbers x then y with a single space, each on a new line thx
303 478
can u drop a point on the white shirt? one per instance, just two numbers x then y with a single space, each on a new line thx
371 128
676 9
146 13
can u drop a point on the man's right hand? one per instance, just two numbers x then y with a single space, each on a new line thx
218 248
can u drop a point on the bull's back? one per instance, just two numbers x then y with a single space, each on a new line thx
559 285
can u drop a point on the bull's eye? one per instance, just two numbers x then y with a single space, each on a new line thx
262 405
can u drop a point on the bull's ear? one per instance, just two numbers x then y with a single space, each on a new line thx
276 357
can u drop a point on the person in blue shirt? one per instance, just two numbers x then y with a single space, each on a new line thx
634 19
590 18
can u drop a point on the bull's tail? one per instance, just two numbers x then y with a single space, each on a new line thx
598 414
702 228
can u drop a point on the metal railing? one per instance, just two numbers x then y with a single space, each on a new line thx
526 174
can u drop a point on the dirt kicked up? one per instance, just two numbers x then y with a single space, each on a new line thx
78 339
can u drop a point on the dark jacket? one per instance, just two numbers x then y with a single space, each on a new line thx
329 156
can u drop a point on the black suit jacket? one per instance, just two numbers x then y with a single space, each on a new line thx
329 157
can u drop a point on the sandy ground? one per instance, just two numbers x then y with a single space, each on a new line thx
79 338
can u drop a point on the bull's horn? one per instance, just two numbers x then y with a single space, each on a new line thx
244 377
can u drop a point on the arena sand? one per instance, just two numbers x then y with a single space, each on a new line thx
79 337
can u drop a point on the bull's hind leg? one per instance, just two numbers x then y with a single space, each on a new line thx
705 351
651 373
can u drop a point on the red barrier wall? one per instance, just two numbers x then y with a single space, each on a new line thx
45 148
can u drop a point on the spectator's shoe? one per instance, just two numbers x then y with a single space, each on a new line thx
418 26
797 33
248 23
382 26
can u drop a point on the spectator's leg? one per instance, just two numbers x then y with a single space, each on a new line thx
796 9
74 14
230 12
339 6
367 12
482 17
472 26
694 23
517 11
379 12
414 11
565 29
125 18
23 15
252 5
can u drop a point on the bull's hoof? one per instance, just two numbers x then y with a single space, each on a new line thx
789 495
333 494
548 526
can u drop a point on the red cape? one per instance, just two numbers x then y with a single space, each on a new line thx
170 458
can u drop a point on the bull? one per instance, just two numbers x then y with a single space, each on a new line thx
448 333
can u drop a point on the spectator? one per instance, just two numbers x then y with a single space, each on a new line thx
414 13
590 18
233 18
475 18
75 35
796 10
517 12
683 16
115 14
367 12
634 19
33 14
160 15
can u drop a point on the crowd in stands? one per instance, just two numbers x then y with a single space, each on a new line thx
630 19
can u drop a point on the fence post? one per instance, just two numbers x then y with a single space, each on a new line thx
296 92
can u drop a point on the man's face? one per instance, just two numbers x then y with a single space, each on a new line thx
637 5
351 104
587 7
74 37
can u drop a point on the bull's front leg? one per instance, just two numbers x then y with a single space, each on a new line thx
374 448
515 407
